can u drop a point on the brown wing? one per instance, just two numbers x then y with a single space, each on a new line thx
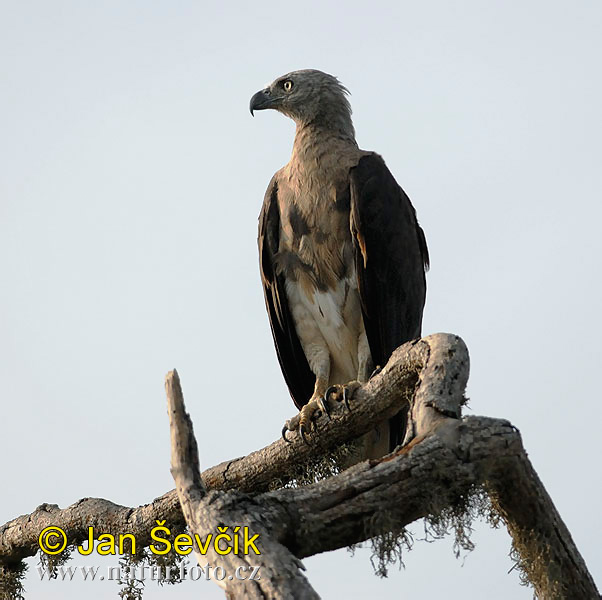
391 257
294 365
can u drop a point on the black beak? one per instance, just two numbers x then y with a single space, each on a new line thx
261 100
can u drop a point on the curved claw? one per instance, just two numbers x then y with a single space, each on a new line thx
303 434
330 390
284 430
334 388
323 404
376 371
345 398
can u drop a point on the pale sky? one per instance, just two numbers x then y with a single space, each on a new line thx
132 179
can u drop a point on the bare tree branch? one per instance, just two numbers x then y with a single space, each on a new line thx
281 575
383 396
446 460
547 553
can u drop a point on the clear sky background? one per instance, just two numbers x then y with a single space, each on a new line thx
131 181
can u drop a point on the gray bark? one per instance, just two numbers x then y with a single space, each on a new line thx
280 570
445 460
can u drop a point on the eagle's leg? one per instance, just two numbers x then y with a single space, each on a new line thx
303 421
364 356
314 405
342 393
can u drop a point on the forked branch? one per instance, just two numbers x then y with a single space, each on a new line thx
446 459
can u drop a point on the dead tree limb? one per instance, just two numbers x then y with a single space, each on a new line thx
281 575
380 398
446 460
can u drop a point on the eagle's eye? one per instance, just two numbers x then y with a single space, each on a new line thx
287 85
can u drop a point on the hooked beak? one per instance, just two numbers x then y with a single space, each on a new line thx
262 100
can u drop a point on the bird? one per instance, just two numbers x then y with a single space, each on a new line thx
342 256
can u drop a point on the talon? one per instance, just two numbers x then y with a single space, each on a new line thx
305 420
284 430
303 434
323 404
335 388
375 372
345 398
330 390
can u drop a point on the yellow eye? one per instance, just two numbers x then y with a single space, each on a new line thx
287 85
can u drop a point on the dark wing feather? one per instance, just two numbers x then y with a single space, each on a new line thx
297 374
391 257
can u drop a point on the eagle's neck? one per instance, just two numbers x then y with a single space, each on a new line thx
317 143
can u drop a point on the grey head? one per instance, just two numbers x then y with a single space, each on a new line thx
309 97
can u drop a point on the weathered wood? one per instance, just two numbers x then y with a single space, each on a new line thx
446 459
185 466
414 483
19 537
545 548
279 570
380 398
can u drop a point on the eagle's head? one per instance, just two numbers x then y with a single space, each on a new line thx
308 97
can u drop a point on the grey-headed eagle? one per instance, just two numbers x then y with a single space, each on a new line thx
342 256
